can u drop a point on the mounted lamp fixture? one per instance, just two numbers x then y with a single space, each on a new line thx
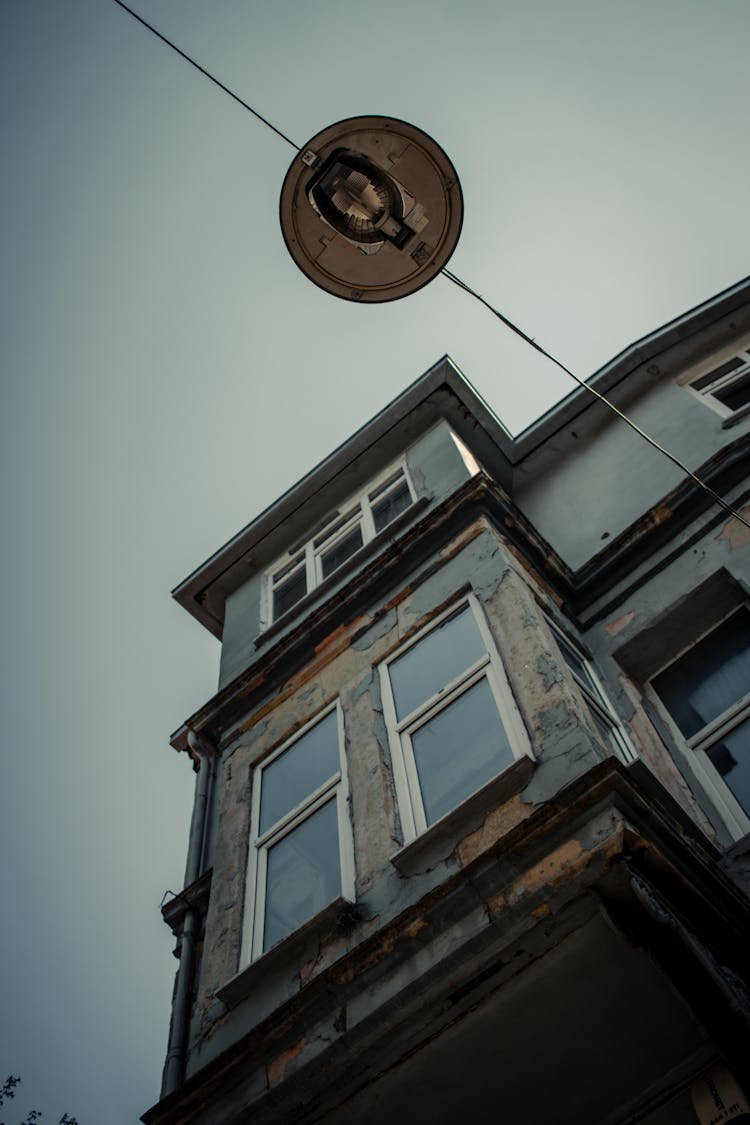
371 209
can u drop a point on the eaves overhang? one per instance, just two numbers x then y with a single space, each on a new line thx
443 391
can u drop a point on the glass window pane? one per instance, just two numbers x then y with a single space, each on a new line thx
385 485
342 550
435 661
735 395
288 568
303 874
731 757
577 664
580 666
703 683
459 750
289 592
718 372
393 504
333 526
299 771
606 729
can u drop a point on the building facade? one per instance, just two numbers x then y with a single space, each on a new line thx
471 834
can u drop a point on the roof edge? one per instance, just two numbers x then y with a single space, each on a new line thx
443 373
611 373
191 592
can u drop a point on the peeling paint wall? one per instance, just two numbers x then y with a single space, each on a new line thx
564 741
577 510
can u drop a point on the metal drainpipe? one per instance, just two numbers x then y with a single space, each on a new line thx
174 1066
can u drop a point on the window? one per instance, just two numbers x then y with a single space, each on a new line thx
726 387
452 720
341 536
707 693
301 855
595 697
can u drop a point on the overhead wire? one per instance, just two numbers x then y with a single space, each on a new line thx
208 75
593 391
467 289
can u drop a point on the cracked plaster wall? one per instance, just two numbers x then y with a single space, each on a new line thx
562 736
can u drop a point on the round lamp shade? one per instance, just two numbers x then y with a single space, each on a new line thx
371 209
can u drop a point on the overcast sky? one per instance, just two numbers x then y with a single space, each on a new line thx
168 372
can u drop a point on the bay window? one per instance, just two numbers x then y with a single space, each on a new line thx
594 695
706 691
452 720
301 855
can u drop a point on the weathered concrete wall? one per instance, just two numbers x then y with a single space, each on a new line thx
564 741
241 629
436 468
681 594
578 509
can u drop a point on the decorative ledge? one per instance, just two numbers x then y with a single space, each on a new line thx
288 952
439 841
194 896
733 419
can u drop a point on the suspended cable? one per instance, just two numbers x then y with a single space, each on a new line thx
466 288
587 386
206 73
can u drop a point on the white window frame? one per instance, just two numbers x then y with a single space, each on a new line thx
736 820
595 696
350 519
334 788
708 387
356 511
489 667
278 575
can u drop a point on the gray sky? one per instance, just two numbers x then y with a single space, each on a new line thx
168 372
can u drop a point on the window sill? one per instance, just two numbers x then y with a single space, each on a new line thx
287 952
736 417
363 555
440 839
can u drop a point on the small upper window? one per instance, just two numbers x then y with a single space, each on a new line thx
389 500
726 387
288 585
343 534
453 723
595 697
301 855
707 693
